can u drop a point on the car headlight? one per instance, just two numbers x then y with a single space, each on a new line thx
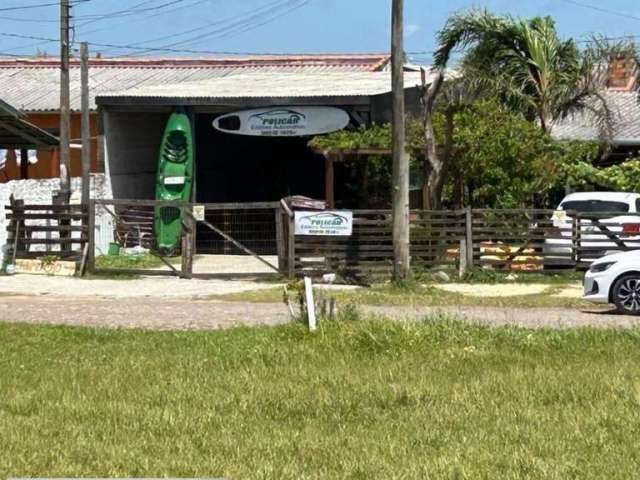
601 267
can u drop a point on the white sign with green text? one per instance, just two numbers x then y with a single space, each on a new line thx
330 223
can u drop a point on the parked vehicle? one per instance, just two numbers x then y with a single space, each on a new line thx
607 220
615 279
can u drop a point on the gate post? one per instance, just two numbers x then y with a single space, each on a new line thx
575 240
91 236
187 249
279 214
292 247
469 236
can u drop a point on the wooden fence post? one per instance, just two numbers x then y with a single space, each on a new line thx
279 213
291 262
463 257
188 235
91 236
575 240
469 236
61 198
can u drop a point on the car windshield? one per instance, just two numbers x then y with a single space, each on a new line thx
595 206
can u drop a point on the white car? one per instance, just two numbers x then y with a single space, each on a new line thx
615 279
618 212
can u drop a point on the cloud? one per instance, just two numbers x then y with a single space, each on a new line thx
411 29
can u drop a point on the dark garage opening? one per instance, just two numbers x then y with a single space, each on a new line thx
237 169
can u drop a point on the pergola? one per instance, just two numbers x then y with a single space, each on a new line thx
18 134
333 155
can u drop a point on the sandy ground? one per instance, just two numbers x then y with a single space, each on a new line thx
144 287
209 315
161 303
232 264
494 290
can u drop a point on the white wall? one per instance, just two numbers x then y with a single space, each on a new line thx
40 192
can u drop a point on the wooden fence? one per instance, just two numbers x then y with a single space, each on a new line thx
35 231
508 240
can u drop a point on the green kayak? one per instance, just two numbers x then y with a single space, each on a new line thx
174 180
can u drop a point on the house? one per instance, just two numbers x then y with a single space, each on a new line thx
231 164
623 100
32 85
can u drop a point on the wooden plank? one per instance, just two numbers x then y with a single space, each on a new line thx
72 254
208 206
50 228
52 208
54 241
46 216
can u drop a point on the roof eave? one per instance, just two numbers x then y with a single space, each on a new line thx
105 101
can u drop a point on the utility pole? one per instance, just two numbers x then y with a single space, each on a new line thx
400 181
86 127
65 120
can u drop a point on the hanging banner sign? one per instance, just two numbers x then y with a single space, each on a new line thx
283 121
331 224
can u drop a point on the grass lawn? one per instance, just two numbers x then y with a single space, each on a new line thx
355 400
142 262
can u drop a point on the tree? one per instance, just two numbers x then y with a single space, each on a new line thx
529 66
446 98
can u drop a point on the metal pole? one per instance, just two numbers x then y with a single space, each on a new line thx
86 126
401 266
65 119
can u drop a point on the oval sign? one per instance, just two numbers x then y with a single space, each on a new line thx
283 121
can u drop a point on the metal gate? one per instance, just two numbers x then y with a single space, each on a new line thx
221 240
236 239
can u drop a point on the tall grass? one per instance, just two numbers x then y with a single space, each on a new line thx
357 399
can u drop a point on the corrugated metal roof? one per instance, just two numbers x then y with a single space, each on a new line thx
16 132
625 108
264 85
32 85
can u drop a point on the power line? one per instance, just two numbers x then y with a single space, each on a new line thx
244 25
601 9
145 17
133 47
125 13
40 5
27 20
268 9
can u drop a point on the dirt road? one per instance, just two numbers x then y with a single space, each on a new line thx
204 315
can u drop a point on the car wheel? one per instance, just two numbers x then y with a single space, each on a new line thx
626 294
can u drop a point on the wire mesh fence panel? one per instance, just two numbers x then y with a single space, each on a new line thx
253 228
138 237
238 239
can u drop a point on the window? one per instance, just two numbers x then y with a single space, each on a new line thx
596 206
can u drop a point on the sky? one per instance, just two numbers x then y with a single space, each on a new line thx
193 27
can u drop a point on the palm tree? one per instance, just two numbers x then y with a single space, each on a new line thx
527 64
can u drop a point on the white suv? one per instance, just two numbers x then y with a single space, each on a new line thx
615 279
618 212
